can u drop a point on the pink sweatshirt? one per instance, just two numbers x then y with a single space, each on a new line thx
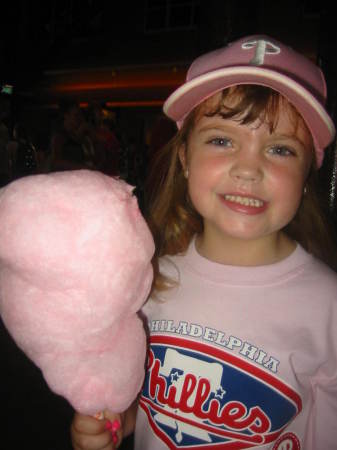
242 357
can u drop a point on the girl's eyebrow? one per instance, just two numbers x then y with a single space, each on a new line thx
291 137
210 127
216 124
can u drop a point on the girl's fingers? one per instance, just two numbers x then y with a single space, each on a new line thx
102 441
103 432
89 433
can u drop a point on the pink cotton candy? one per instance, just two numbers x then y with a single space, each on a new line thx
75 268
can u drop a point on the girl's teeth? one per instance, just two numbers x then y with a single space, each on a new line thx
244 200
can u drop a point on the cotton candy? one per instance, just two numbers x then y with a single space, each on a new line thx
75 269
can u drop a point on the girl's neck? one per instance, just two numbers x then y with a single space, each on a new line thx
237 252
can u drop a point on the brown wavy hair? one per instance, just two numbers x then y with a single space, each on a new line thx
172 217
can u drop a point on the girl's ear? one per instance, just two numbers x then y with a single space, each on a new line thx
183 159
182 156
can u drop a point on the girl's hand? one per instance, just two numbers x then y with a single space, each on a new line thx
89 433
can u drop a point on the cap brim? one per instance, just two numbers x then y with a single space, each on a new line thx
194 92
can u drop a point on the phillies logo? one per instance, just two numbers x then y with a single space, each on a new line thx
262 48
198 396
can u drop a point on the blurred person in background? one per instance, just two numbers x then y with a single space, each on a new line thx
107 146
23 153
71 143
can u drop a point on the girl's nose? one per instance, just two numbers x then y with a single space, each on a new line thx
247 170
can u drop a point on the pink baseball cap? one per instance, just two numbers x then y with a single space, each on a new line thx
261 60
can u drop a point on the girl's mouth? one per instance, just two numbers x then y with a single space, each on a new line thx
244 201
242 204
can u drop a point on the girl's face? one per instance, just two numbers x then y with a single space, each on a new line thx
245 181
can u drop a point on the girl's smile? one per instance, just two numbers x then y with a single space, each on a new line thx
244 204
245 180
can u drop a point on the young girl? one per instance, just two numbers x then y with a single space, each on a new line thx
243 314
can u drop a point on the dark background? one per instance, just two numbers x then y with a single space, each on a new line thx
131 55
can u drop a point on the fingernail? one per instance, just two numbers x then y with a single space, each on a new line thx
108 425
115 426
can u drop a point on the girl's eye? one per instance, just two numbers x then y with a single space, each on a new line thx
221 141
280 150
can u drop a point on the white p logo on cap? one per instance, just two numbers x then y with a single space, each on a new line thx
262 48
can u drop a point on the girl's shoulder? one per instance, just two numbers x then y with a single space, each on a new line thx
317 281
321 272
